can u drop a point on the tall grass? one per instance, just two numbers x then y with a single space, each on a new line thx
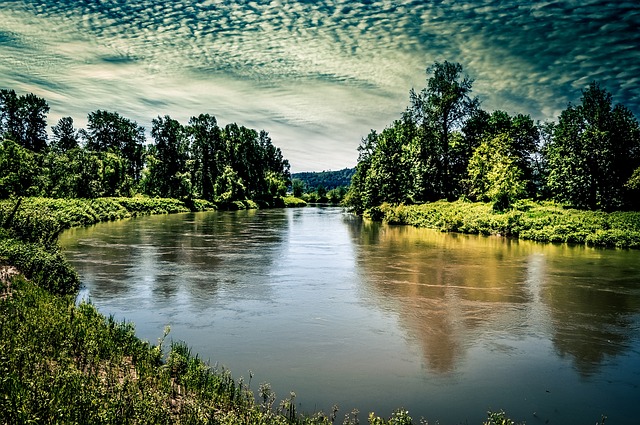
542 222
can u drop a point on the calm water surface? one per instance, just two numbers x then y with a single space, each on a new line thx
376 317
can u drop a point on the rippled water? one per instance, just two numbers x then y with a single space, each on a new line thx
377 317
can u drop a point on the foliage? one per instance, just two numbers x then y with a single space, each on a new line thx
439 110
537 221
593 152
297 187
494 174
293 202
65 136
446 147
23 120
200 160
310 181
167 160
66 364
21 173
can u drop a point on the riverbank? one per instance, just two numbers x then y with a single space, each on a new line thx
540 222
66 363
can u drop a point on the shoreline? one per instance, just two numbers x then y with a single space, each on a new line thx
67 363
544 222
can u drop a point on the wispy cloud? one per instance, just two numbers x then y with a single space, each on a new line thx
316 74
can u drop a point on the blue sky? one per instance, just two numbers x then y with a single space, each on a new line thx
317 75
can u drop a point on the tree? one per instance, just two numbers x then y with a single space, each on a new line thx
440 109
24 119
516 137
495 174
357 198
229 186
21 174
10 121
109 131
170 154
387 179
65 137
34 111
297 187
595 148
209 154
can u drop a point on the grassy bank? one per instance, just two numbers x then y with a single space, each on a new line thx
541 222
29 229
67 364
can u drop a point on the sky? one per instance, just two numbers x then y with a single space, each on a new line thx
317 75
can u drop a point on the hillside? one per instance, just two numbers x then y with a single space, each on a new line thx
327 179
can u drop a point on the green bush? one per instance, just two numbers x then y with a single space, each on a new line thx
47 268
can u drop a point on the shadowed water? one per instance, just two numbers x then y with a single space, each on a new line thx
375 317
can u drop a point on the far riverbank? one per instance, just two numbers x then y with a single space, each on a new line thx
528 220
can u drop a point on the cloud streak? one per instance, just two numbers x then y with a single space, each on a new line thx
316 74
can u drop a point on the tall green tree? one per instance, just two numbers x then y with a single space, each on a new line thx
10 120
34 112
495 173
209 154
514 137
109 131
24 119
20 174
297 187
388 178
65 136
358 198
440 109
168 169
595 148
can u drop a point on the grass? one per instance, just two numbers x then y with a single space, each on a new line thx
64 363
293 202
541 222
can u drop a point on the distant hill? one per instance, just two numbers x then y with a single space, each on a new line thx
328 179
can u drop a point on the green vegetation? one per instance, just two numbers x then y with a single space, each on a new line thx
444 146
542 222
327 179
200 160
325 187
63 363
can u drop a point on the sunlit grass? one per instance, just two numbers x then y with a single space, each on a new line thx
542 222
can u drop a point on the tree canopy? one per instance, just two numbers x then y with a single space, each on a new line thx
445 146
112 156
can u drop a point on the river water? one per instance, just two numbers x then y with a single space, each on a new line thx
373 317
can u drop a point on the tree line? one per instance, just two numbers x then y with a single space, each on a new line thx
445 146
111 157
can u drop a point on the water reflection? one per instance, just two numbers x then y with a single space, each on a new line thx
450 290
342 310
593 299
196 256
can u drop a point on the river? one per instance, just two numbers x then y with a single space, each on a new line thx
374 317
